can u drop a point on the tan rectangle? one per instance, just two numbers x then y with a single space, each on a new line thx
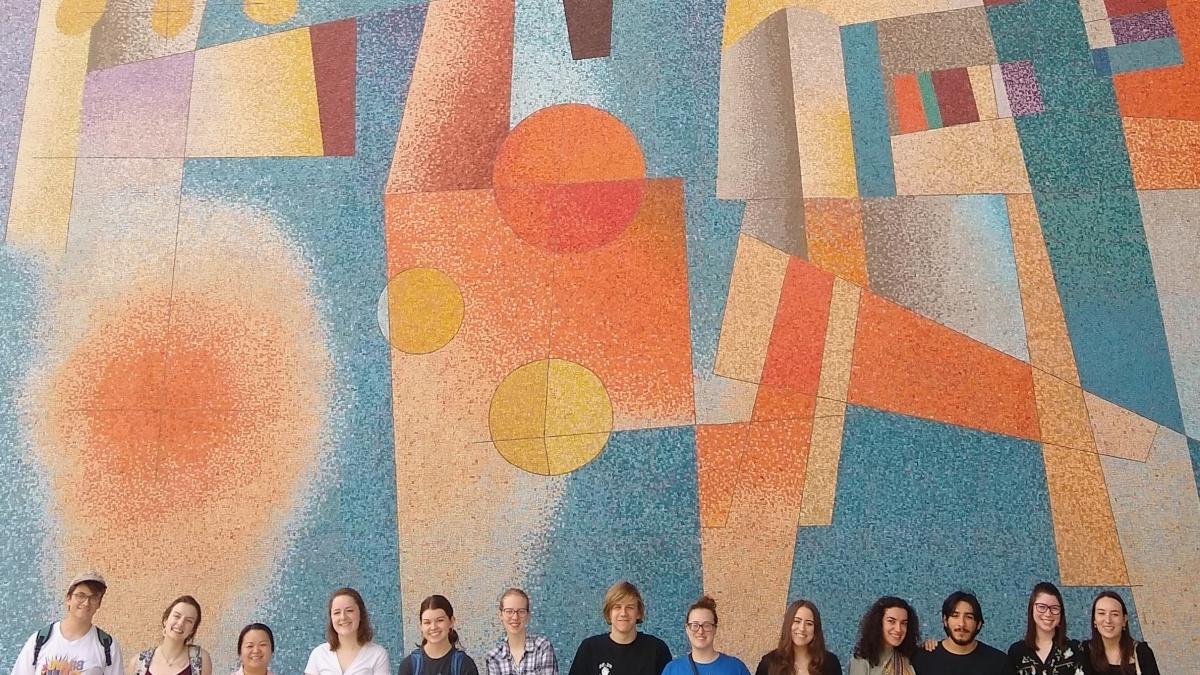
1045 325
754 290
984 91
1062 414
824 455
1085 534
980 158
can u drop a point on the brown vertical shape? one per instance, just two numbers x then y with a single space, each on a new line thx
334 47
954 95
589 28
456 114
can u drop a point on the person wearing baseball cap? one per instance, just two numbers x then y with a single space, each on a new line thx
73 645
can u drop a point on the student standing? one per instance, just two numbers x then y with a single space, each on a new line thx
439 652
73 645
961 653
700 624
349 648
623 650
1112 650
256 646
177 653
519 652
1045 649
887 639
801 649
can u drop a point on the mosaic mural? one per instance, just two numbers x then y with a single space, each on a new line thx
763 298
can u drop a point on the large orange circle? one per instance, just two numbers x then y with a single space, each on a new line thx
569 178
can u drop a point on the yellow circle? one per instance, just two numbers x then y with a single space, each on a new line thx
550 417
424 310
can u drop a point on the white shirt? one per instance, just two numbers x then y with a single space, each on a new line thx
372 659
60 656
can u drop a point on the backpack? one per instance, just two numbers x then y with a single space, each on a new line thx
456 657
43 637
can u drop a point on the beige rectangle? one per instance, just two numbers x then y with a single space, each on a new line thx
984 90
980 158
824 456
754 289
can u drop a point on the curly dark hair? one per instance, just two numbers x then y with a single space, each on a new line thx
870 630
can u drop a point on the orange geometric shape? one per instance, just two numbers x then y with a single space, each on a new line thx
910 111
1119 432
569 178
168 18
1085 532
1062 414
268 12
1050 347
780 403
798 338
911 365
76 17
623 310
835 237
457 110
1165 153
754 288
718 455
1167 93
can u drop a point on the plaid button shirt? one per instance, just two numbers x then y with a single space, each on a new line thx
539 658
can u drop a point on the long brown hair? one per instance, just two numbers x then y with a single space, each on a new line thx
191 602
1060 631
443 603
782 659
1096 646
365 632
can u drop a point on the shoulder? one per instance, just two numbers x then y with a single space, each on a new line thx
321 651
679 665
656 641
1018 649
732 663
833 664
374 650
496 650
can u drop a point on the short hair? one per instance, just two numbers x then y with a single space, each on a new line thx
365 632
1060 632
441 602
93 586
184 600
870 630
516 591
704 602
255 626
952 601
618 592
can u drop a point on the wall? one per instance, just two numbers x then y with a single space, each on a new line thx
761 298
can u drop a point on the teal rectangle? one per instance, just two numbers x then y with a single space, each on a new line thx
933 114
868 111
1144 55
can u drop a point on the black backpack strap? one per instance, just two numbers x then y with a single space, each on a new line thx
40 641
106 641
695 670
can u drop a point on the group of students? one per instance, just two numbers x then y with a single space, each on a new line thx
888 641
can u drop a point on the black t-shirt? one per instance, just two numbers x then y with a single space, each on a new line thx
1145 661
599 655
442 666
984 660
830 666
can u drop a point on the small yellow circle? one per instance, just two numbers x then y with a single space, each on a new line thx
424 310
550 417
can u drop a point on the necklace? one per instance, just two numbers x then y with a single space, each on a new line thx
176 660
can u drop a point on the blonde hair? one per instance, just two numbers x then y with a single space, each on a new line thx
621 591
516 591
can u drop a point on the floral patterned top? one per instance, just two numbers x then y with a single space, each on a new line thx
1064 660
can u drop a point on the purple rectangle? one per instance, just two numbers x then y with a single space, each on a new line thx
137 109
1020 83
16 52
1151 25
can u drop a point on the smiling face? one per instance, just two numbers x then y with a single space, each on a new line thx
180 623
514 613
1109 618
895 626
701 628
1047 612
83 601
436 626
962 625
624 615
255 650
345 616
804 626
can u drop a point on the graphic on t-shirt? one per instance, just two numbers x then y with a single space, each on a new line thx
605 668
60 666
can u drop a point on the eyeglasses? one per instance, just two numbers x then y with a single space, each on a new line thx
509 612
1043 608
696 627
86 598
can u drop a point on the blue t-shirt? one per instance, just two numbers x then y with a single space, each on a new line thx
724 665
